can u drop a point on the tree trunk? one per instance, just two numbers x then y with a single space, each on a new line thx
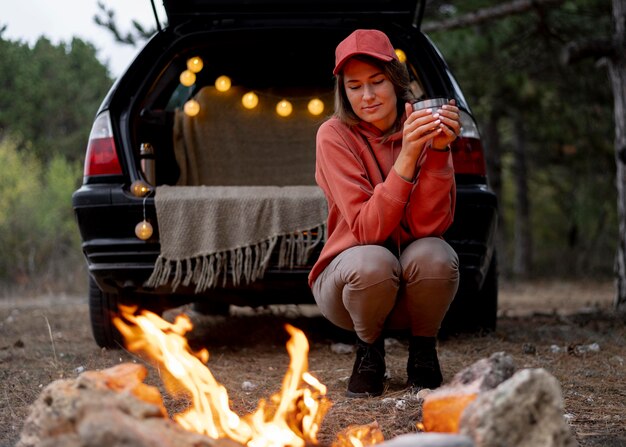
522 258
491 138
617 72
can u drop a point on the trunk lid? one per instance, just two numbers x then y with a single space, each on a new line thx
407 12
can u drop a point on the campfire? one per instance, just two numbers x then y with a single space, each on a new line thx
291 417
486 404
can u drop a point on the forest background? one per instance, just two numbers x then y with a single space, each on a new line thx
547 126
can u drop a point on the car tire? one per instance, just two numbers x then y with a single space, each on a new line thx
103 307
477 312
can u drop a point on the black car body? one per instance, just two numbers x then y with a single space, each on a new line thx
278 49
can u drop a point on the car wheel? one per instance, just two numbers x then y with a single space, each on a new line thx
474 312
103 307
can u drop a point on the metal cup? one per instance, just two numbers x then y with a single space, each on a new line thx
433 104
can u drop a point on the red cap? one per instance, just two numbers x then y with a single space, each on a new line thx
370 42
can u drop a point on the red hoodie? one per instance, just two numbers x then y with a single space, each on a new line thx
368 202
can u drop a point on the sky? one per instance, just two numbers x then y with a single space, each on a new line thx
60 20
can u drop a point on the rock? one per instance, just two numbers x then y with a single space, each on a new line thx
110 408
529 348
107 428
583 349
246 385
443 407
391 343
524 411
421 394
495 407
341 348
399 404
428 440
442 412
486 373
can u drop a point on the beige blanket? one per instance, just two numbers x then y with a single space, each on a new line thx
228 145
205 231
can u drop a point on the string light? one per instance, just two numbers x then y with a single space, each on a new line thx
195 64
401 55
143 230
250 100
187 78
139 188
191 107
222 83
315 106
284 108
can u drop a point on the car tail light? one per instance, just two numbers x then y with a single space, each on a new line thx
467 150
101 157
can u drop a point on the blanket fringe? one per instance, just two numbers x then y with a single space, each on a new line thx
245 263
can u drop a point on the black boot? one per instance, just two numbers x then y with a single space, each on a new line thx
423 368
368 373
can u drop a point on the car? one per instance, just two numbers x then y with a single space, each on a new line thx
215 121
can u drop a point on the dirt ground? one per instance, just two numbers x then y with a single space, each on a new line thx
565 327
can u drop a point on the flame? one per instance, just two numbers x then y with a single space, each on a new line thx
359 436
291 417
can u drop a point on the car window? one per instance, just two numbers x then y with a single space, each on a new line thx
180 96
249 116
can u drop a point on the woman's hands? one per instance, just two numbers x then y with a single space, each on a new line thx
450 125
420 128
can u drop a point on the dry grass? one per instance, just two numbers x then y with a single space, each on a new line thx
46 338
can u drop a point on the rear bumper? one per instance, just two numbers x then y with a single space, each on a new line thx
473 232
124 266
118 261
106 215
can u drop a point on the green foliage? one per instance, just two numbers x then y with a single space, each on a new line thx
37 228
50 95
49 98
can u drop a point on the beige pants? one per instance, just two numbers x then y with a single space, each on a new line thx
367 288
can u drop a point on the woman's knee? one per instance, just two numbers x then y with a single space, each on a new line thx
430 257
368 265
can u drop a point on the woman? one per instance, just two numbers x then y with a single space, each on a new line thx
388 178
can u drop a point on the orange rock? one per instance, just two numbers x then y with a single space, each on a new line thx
442 413
127 377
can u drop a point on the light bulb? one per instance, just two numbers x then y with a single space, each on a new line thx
284 108
187 78
139 188
195 64
315 106
191 107
250 100
143 230
222 83
401 55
